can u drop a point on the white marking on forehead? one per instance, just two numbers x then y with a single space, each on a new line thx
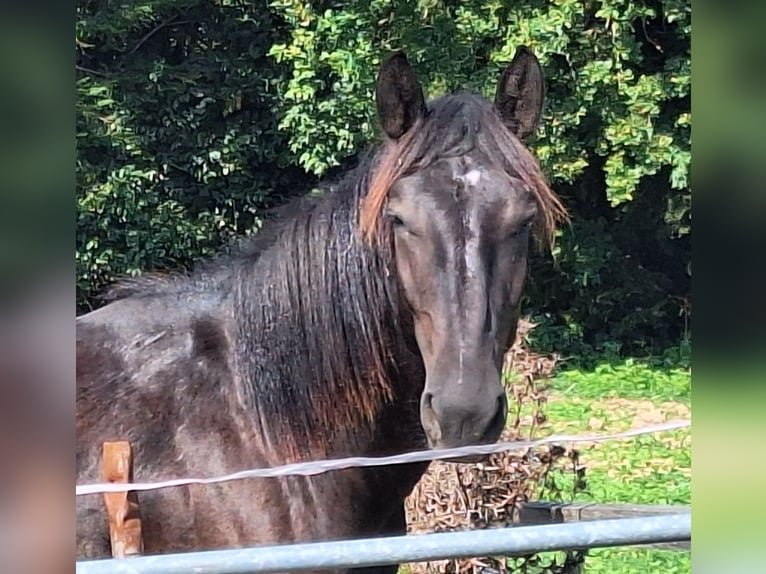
472 177
470 251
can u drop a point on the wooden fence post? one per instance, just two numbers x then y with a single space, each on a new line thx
122 507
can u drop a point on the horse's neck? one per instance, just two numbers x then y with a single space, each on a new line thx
394 426
398 427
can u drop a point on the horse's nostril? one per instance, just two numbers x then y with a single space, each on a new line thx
430 420
428 399
462 421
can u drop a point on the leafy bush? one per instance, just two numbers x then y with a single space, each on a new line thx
618 77
194 118
178 144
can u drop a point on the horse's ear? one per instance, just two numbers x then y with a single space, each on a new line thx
521 92
398 96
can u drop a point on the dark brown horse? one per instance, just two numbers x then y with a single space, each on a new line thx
368 321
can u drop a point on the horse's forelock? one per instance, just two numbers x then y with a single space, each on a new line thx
450 121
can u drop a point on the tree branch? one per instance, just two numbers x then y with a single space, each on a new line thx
89 71
154 30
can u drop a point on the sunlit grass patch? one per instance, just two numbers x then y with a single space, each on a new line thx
647 469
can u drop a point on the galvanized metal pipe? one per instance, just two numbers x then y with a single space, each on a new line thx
402 549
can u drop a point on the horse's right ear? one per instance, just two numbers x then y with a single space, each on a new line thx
398 96
521 92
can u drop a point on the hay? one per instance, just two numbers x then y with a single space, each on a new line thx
487 494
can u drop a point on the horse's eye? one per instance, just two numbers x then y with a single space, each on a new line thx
396 221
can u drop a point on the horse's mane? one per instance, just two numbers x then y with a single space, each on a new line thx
316 314
241 250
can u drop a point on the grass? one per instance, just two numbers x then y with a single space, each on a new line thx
629 379
649 469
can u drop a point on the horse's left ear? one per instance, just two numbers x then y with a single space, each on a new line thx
521 92
398 96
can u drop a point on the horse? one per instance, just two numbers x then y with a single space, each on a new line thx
368 320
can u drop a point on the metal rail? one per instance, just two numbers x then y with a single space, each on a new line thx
402 549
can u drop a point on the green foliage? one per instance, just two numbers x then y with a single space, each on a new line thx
618 76
178 147
615 287
194 117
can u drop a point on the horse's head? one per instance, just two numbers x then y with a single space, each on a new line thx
460 210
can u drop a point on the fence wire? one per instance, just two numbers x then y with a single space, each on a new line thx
322 466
